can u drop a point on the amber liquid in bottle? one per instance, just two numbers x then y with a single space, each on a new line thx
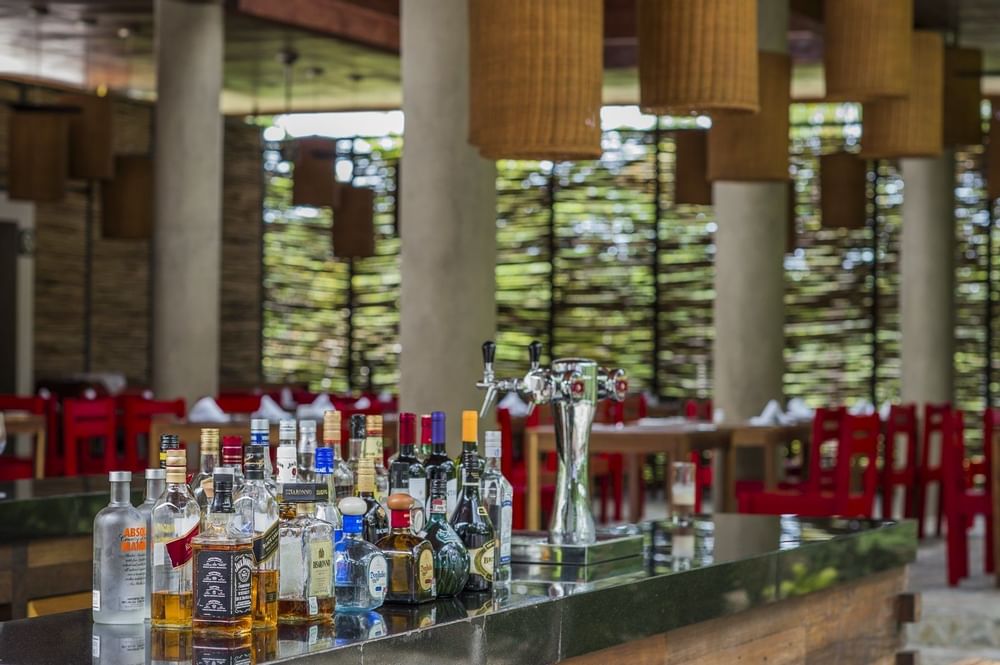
172 609
265 604
229 626
299 610
410 558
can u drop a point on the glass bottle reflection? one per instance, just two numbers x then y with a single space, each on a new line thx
355 627
170 647
218 649
118 644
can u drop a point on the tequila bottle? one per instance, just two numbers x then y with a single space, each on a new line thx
119 591
260 435
343 476
209 460
406 473
156 482
410 558
451 559
176 520
374 451
327 510
306 581
471 520
498 496
232 458
307 450
361 569
375 521
439 460
258 501
470 443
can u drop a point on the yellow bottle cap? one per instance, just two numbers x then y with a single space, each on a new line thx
470 426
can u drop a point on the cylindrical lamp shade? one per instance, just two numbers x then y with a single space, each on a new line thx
843 198
536 70
91 148
353 222
697 56
911 126
963 122
745 146
992 156
312 179
691 183
127 200
867 49
38 154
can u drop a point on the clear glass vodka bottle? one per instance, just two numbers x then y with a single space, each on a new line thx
232 457
156 482
119 590
498 496
356 442
123 644
327 510
307 450
361 572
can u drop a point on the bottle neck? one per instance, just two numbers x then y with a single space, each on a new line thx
209 460
470 447
407 450
355 446
154 488
400 521
438 448
121 493
335 447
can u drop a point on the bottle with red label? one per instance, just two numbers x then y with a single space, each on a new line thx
175 521
410 558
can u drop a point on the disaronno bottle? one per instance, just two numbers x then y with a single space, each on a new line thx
306 582
119 592
175 519
410 557
471 519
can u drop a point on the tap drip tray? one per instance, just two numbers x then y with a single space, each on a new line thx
617 551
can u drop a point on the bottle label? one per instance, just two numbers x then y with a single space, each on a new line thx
179 550
222 583
506 522
452 495
95 645
377 574
438 506
123 573
288 469
266 544
481 560
313 606
373 447
417 488
290 578
425 570
320 569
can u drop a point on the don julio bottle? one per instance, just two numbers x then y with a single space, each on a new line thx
471 520
361 570
176 518
119 590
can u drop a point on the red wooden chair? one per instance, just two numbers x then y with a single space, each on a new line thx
11 466
698 409
900 441
981 466
238 403
137 413
517 473
929 464
84 421
962 503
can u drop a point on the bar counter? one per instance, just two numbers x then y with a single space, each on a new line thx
822 590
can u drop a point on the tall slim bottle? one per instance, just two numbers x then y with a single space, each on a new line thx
343 476
176 520
424 452
307 450
439 464
119 590
260 435
498 495
375 520
209 460
374 450
470 443
406 473
258 500
471 520
327 510
356 443
156 482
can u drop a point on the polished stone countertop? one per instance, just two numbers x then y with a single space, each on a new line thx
736 562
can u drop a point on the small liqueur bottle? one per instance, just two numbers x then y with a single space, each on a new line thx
470 443
374 451
119 591
356 442
361 577
118 644
306 582
439 459
327 510
307 450
170 647
260 435
425 438
406 473
376 522
343 476
286 441
471 520
209 460
451 559
257 500
410 558
224 565
168 442
156 482
498 496
176 520
232 458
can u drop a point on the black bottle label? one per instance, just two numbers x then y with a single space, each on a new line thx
223 580
265 545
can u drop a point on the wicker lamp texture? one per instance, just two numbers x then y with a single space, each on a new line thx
867 49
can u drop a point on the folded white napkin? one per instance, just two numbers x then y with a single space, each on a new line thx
799 410
883 411
363 403
207 410
718 415
662 422
385 397
287 400
861 408
270 410
513 403
771 415
315 411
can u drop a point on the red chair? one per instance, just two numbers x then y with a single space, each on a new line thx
857 446
929 464
238 403
698 409
517 473
11 466
962 504
900 437
84 421
137 412
981 466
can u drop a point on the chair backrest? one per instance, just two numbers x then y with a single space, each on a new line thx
86 418
34 405
953 476
698 409
991 427
142 408
826 429
857 446
935 419
234 403
902 424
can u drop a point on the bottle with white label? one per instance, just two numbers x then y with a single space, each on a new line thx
498 496
439 464
176 520
306 580
361 572
406 474
307 450
119 591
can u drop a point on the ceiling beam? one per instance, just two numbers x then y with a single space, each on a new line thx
337 18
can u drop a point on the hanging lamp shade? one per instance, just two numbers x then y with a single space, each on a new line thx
312 178
91 149
913 125
697 56
691 183
843 197
745 146
867 49
127 200
38 154
353 222
963 122
992 156
535 74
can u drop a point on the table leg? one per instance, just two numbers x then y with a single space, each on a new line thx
634 472
40 453
721 481
534 504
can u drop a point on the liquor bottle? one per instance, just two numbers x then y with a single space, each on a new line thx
471 520
410 558
209 460
170 647
343 476
156 482
224 565
168 442
439 459
356 443
176 520
307 450
406 473
232 458
288 463
451 559
375 522
424 452
470 443
119 591
361 577
374 450
260 435
327 511
306 581
257 499
498 496
118 644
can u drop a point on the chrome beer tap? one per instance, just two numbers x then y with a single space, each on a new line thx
534 387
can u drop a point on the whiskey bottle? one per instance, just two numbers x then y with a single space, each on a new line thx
471 520
168 442
327 510
439 460
260 435
224 565
470 443
410 558
343 476
375 521
176 519
406 473
258 501
374 451
156 482
306 581
265 644
451 559
307 450
232 458
498 496
119 590
425 439
209 460
356 443
361 570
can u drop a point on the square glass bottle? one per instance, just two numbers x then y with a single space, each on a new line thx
306 580
410 558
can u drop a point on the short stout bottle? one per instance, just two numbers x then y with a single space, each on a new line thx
375 521
406 473
410 558
156 482
471 520
498 495
258 501
361 571
343 476
209 460
374 451
119 591
307 577
451 559
176 520
439 460
224 565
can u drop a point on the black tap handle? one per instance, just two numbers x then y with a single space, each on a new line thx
489 351
535 352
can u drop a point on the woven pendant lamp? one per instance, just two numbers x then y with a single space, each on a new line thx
312 178
744 146
697 56
38 154
353 222
127 200
911 126
843 200
536 70
867 49
691 183
91 141
963 123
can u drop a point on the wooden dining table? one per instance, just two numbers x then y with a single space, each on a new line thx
19 422
769 440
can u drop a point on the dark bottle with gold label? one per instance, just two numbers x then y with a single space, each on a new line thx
471 520
410 558
375 523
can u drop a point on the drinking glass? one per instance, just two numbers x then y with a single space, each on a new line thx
682 489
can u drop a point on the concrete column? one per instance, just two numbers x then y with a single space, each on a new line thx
448 208
188 198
